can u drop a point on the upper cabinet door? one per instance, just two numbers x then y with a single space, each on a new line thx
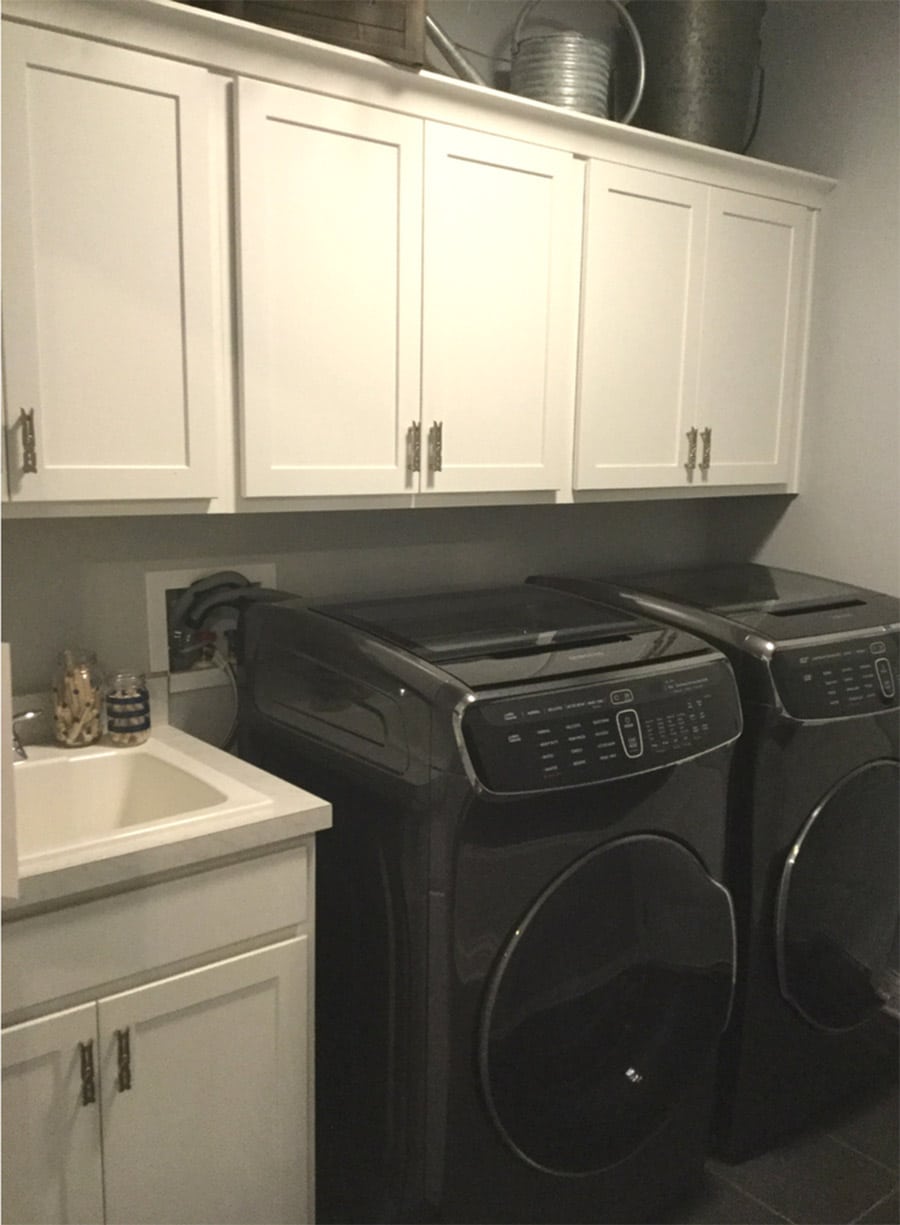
329 253
645 235
500 309
107 271
753 340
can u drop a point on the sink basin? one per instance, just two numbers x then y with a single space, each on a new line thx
94 802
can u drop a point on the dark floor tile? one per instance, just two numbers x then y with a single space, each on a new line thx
885 1212
812 1180
872 1127
717 1202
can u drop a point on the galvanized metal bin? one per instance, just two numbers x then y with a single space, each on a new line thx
702 64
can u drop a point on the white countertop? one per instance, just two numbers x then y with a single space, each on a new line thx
259 810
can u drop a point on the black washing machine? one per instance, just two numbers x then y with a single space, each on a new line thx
524 954
812 859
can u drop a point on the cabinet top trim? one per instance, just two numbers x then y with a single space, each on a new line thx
227 45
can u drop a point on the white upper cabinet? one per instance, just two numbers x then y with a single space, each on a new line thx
365 371
107 272
329 204
692 334
437 292
642 295
753 338
500 312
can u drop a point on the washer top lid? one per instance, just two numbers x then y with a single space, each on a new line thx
449 625
779 604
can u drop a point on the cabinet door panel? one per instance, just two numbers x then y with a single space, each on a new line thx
213 1125
752 337
499 309
329 205
51 1139
641 306
107 270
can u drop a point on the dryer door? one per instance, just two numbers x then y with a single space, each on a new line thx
837 911
606 1003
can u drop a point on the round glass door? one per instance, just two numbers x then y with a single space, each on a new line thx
837 914
607 1001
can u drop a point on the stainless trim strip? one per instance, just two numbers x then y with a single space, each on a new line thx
868 631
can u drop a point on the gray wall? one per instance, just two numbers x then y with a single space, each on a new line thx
82 580
832 105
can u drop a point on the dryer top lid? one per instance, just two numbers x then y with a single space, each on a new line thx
515 633
779 604
449 625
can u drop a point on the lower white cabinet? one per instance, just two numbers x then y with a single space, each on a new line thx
52 1167
186 1098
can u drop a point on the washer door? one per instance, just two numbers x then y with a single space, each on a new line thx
837 911
606 1003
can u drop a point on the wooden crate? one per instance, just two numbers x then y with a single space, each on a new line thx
391 29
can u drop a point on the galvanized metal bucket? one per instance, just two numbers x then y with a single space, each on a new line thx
566 69
702 58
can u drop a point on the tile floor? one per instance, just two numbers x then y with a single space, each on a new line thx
844 1171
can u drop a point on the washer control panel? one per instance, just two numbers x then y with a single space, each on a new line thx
563 737
831 680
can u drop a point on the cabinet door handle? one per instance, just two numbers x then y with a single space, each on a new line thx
88 1080
123 1056
414 448
706 436
692 449
29 440
436 446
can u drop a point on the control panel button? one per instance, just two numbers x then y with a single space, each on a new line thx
885 676
630 733
619 697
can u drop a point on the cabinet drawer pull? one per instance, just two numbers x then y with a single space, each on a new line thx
123 1050
692 449
88 1081
414 445
436 446
706 436
29 440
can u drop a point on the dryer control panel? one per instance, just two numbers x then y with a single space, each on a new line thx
614 728
838 678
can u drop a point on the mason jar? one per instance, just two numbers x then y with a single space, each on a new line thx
127 708
77 698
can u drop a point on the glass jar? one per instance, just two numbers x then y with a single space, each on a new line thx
127 708
77 698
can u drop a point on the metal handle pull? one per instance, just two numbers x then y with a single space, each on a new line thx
414 448
29 440
88 1081
123 1044
436 446
706 436
692 449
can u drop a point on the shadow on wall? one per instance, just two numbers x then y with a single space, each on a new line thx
83 580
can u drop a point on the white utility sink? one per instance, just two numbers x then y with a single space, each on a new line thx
76 804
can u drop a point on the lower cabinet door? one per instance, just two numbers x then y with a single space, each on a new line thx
205 1094
52 1171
